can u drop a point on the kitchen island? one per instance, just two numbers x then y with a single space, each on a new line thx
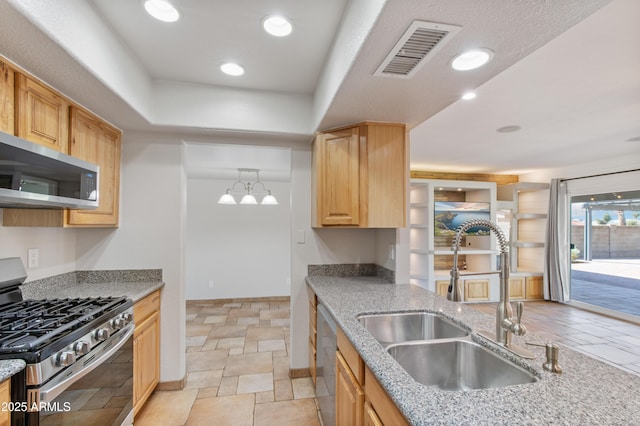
588 392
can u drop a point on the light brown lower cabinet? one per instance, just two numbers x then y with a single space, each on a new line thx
5 397
349 396
534 287
476 290
313 333
146 349
360 399
370 416
380 404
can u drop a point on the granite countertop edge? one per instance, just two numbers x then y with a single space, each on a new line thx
588 392
135 290
9 367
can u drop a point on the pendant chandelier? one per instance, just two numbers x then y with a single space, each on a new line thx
248 190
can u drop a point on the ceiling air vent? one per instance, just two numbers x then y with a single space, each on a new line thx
419 43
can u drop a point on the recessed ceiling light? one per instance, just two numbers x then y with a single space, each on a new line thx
471 59
468 96
231 68
508 129
162 10
277 25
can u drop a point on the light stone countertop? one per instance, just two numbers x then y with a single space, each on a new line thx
132 290
9 367
589 392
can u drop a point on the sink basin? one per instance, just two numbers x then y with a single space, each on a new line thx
389 328
457 365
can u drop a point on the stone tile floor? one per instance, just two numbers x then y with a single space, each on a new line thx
237 371
608 339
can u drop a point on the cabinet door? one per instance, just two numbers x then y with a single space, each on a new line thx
95 141
7 98
476 290
338 181
516 288
42 115
349 396
442 288
534 287
5 397
370 416
146 360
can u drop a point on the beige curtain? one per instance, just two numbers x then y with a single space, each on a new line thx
557 253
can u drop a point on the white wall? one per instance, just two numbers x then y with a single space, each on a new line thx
57 248
321 246
243 249
605 165
150 235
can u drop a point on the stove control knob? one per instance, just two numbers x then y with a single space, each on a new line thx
81 348
127 317
65 358
117 323
102 334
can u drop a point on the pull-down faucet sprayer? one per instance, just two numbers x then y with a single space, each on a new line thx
505 323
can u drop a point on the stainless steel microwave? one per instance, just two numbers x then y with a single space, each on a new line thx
33 176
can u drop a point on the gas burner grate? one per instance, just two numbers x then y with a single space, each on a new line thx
31 324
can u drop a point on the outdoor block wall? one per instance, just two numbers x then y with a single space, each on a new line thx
609 241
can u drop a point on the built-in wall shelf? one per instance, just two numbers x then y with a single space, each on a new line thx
431 252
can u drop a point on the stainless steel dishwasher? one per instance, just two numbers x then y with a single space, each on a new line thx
326 367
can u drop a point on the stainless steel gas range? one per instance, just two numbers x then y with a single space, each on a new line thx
79 355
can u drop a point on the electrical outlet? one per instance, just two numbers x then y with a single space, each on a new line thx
210 283
33 258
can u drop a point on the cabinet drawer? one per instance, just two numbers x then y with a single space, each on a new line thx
351 357
145 307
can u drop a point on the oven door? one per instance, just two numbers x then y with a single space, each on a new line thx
98 392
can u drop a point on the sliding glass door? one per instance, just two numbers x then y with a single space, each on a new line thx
605 252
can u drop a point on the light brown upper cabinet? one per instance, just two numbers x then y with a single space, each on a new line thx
38 114
42 115
360 176
7 99
97 142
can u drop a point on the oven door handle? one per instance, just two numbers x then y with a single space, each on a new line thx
55 387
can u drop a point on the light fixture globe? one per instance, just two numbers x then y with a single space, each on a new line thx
269 200
248 199
227 199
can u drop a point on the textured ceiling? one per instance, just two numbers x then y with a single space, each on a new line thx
566 71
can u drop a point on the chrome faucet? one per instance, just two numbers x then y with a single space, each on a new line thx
506 325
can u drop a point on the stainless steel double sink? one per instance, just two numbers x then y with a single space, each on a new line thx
437 352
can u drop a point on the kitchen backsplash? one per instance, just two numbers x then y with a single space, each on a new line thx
352 270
